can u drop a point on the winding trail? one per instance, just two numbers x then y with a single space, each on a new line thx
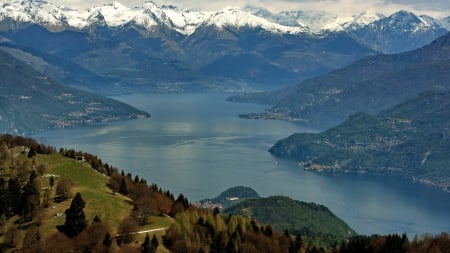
144 231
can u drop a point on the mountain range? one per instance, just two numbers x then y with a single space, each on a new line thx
185 21
118 49
370 85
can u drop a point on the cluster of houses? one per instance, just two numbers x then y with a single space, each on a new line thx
208 204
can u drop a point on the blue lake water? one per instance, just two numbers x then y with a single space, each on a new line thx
196 145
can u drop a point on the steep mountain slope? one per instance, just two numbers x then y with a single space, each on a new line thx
370 85
31 101
64 71
410 140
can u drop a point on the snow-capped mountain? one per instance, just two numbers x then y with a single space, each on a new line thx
113 15
361 20
401 31
147 16
234 17
406 21
318 22
186 22
40 12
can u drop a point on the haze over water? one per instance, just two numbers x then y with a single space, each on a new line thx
196 145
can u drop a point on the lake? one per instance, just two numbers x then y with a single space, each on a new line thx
196 145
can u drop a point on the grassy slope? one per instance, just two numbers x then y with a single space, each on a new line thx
98 197
92 186
100 200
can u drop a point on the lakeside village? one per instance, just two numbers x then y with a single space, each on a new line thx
211 205
315 167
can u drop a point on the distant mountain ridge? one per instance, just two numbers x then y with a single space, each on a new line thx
167 49
370 85
62 70
31 101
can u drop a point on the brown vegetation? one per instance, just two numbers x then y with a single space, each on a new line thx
23 200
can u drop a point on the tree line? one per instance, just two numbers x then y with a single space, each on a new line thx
23 198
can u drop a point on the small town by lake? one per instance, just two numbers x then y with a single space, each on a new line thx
197 145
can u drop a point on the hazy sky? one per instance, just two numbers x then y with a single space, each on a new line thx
437 8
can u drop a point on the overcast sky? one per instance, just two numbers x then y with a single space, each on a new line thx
436 8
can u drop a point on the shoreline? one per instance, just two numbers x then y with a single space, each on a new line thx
310 167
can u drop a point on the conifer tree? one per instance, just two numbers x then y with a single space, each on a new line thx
31 152
14 196
30 198
75 217
97 219
150 246
107 241
123 187
146 246
51 181
155 243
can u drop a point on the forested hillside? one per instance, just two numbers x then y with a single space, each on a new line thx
309 220
70 201
410 140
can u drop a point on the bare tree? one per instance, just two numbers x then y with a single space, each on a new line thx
64 189
126 231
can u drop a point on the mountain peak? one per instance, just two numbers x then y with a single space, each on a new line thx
116 5
396 32
150 4
403 13
445 22
369 16
405 18
365 18
237 17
